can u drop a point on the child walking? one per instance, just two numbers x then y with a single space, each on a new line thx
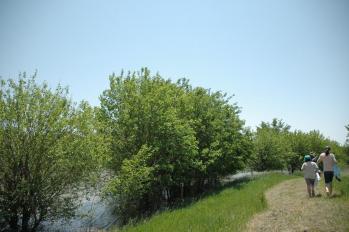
310 169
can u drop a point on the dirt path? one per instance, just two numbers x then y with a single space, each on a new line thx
290 209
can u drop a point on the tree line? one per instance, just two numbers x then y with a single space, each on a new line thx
162 141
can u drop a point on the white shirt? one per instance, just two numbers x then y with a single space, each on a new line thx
310 169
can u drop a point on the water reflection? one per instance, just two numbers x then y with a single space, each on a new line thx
93 214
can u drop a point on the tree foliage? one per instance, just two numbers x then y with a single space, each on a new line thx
346 145
47 148
271 146
277 147
168 139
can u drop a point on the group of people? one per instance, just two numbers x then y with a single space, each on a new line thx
311 170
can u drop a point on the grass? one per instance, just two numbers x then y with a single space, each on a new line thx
227 210
343 188
290 208
343 201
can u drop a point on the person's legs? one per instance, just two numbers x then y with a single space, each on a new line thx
308 181
328 182
312 183
330 188
316 184
309 190
327 189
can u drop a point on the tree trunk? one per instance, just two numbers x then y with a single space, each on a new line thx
25 222
36 224
182 191
13 223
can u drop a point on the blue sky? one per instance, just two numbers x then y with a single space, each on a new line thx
284 59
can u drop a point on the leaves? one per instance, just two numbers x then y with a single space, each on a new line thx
194 135
47 148
276 147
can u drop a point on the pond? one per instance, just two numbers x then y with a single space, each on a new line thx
93 214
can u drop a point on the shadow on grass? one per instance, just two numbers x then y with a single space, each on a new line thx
336 195
188 201
212 191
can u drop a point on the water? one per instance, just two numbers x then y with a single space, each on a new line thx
93 214
97 214
248 174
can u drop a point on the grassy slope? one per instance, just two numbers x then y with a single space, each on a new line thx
229 210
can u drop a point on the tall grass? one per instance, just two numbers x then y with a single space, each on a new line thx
341 205
228 210
343 188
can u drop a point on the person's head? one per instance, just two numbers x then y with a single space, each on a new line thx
327 150
312 155
307 158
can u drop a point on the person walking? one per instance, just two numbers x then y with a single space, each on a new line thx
310 169
329 160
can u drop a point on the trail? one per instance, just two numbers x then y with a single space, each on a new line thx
290 209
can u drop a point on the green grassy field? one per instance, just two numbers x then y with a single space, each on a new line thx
343 188
227 210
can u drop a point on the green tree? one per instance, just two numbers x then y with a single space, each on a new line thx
167 139
271 145
269 151
276 125
223 144
275 146
47 148
346 146
141 111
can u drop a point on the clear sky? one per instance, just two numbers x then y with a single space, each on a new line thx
284 59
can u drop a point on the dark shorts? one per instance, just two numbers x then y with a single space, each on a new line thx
309 181
328 176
